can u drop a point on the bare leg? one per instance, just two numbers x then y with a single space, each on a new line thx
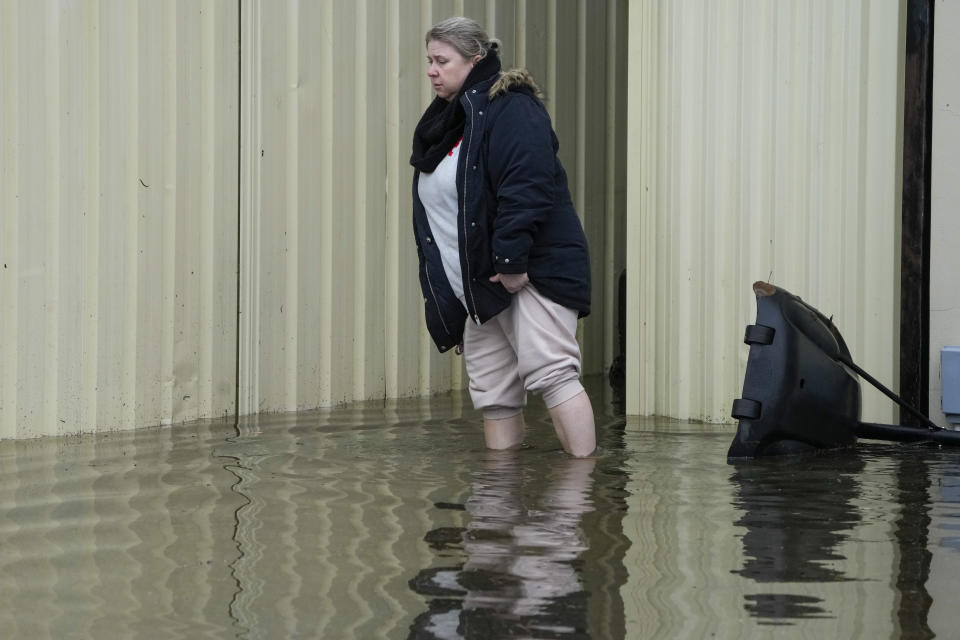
573 422
561 435
505 433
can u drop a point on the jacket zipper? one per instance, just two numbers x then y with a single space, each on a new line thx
463 214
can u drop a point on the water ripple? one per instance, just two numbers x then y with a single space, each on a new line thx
391 520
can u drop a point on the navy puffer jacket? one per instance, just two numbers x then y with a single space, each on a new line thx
515 213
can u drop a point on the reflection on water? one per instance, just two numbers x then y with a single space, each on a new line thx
911 534
519 545
393 521
796 513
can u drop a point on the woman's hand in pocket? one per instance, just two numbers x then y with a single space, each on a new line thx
512 282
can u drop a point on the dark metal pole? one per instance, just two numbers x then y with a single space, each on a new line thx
915 209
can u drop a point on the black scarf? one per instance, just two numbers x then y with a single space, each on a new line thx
441 125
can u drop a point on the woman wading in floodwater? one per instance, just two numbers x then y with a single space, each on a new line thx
504 267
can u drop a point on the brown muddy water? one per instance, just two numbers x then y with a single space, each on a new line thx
391 520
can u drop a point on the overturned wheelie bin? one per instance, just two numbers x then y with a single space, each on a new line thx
801 389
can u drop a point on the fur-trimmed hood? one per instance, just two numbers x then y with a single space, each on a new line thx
512 79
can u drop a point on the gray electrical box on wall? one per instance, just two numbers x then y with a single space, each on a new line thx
950 379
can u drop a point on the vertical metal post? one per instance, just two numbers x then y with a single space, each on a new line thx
915 208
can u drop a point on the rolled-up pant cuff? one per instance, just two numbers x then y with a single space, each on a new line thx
562 393
500 413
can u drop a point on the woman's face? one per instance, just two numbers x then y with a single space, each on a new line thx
448 69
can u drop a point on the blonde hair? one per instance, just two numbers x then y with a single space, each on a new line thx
465 35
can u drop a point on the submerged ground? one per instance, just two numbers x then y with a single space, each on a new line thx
392 521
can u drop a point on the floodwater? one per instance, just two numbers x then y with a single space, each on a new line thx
391 520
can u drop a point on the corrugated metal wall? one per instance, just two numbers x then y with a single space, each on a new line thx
119 196
330 303
944 196
763 146
762 142
170 167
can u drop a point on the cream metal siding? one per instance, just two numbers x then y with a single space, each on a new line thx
206 205
330 307
118 230
764 145
944 198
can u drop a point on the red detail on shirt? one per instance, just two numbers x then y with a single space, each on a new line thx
455 146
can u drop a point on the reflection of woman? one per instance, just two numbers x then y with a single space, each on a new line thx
499 240
523 538
526 551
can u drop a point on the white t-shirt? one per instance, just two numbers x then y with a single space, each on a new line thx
438 193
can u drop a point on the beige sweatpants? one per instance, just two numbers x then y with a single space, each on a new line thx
530 346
